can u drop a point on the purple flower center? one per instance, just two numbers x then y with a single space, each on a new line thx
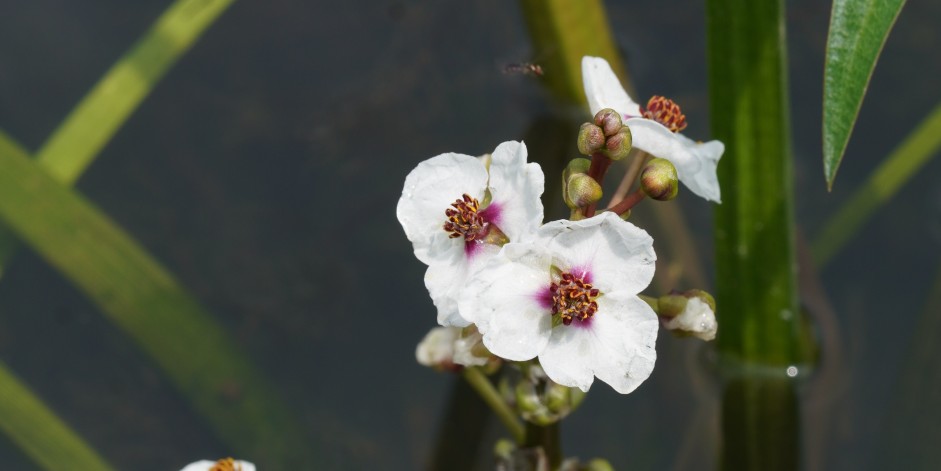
477 226
573 297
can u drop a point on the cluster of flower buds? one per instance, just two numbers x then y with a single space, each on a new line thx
538 399
511 457
606 135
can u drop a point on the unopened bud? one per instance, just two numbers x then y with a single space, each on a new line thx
590 139
581 190
659 180
599 464
579 165
609 121
689 313
619 145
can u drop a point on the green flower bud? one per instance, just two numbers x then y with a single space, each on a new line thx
659 180
609 121
619 145
581 190
579 165
590 139
599 464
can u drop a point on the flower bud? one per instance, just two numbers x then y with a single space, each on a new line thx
590 139
689 313
619 145
659 180
581 190
609 121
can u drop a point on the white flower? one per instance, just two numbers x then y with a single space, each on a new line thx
227 464
695 162
445 347
570 298
697 319
458 210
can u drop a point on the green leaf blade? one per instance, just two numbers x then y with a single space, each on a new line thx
858 31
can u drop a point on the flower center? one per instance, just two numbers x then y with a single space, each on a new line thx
666 112
573 298
226 464
464 219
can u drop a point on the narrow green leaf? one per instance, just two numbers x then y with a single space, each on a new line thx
91 125
912 154
858 30
754 233
140 296
42 435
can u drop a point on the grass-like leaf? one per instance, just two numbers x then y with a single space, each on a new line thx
141 297
916 150
858 30
93 122
42 435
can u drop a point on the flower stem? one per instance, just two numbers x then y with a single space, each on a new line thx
546 437
627 203
621 192
478 380
599 166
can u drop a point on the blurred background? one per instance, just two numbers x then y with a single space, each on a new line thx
263 173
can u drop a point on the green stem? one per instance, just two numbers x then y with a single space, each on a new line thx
546 437
626 204
755 250
479 381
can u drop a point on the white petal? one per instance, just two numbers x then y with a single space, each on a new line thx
618 255
626 331
617 346
464 349
697 319
429 190
695 163
515 187
446 279
506 299
206 465
437 347
568 355
603 89
704 182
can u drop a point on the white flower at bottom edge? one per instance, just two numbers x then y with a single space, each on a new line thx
446 347
461 186
587 271
226 464
695 162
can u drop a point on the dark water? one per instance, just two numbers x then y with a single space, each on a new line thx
264 170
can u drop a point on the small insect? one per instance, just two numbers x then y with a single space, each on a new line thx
524 68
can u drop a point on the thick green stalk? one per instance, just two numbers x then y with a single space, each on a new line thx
755 254
143 298
42 435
